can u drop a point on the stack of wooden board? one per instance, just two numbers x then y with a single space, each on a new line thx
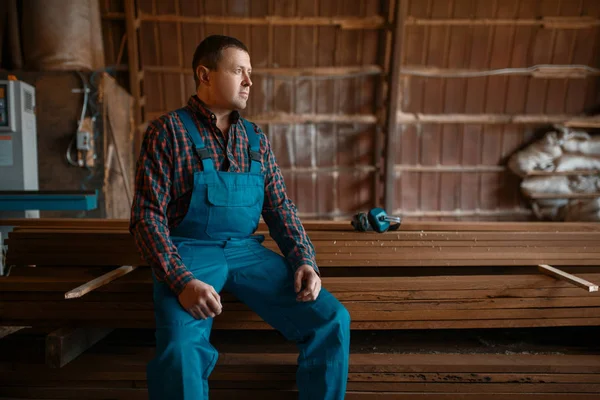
427 275
408 367
442 244
425 278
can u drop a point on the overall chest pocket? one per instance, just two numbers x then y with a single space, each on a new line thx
234 211
233 196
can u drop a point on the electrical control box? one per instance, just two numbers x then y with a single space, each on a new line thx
18 142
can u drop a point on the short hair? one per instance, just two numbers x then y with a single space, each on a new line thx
208 52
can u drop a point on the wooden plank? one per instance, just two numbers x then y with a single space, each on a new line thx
401 234
141 280
129 314
27 251
285 118
486 119
373 22
393 325
268 394
98 282
407 225
9 330
132 25
406 387
74 393
321 72
122 359
535 71
43 291
557 273
393 387
341 261
403 309
25 246
66 344
584 22
250 373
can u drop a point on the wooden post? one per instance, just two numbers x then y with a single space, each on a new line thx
379 106
394 104
132 23
66 344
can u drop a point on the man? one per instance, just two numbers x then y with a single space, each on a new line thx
204 177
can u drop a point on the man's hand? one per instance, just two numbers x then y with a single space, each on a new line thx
306 277
200 299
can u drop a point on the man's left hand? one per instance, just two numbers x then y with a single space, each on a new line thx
307 283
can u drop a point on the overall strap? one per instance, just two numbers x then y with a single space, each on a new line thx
194 135
254 144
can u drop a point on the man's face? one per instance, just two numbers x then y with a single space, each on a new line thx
230 83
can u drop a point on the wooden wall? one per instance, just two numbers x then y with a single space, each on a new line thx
431 148
457 168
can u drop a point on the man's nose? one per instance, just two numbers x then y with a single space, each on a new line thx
247 81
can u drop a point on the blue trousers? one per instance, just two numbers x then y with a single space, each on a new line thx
261 279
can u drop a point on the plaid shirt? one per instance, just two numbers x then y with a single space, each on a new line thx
164 183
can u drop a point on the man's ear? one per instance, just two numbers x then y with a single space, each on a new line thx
203 75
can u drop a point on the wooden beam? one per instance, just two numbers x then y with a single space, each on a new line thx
536 71
432 226
378 21
122 167
394 105
132 24
66 344
113 16
546 22
282 118
286 118
550 196
398 168
329 170
317 72
98 282
557 273
485 119
590 122
461 213
380 108
374 22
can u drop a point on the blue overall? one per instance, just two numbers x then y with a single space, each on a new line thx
216 244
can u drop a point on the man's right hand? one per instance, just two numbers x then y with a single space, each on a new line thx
200 300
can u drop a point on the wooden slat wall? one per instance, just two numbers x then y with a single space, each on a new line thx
328 166
114 38
480 187
333 167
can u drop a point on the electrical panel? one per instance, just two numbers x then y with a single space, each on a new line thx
18 142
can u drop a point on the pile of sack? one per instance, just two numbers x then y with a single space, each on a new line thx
561 150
